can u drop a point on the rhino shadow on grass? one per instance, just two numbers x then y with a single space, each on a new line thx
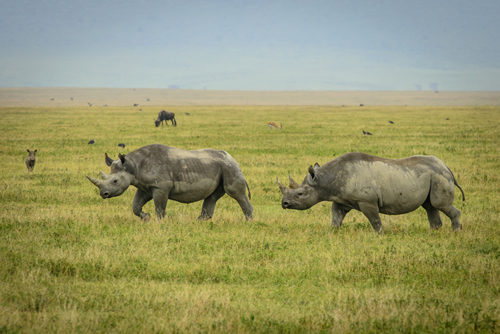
162 172
376 185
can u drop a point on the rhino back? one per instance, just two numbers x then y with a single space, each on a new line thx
156 160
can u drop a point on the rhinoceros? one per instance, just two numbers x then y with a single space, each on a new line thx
162 172
376 185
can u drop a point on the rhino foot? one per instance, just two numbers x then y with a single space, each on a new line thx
457 227
145 216
204 217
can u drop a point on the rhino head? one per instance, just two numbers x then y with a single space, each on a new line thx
117 181
300 196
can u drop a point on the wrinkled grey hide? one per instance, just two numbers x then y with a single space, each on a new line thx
30 160
162 172
376 185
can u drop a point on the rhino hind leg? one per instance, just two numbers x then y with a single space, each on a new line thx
371 211
441 197
454 215
208 208
237 190
433 215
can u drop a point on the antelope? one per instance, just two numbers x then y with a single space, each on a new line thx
272 125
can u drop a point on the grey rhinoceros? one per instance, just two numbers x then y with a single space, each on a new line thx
162 172
376 185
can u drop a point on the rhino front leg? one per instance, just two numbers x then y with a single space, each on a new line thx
140 199
160 198
338 214
371 212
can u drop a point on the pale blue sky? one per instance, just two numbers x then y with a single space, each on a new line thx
251 45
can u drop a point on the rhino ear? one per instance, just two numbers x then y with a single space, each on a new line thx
312 172
293 184
122 158
109 161
282 187
28 150
35 150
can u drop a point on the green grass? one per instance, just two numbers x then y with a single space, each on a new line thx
72 262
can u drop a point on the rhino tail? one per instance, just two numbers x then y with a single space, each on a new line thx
248 188
456 183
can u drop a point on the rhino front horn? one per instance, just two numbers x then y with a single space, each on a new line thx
96 182
282 187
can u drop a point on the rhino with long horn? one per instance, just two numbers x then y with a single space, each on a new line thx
376 185
162 172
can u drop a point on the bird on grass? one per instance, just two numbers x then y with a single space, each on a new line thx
122 145
92 142
366 133
391 122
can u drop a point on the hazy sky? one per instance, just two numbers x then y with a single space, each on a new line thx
251 45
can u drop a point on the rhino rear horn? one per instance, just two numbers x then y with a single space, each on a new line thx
103 175
293 184
96 182
109 161
282 187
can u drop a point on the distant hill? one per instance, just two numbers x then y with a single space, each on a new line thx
98 97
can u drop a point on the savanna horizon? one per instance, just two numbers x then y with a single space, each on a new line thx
75 262
149 97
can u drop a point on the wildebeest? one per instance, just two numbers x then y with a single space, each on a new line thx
163 173
366 133
91 142
165 116
122 145
376 185
30 160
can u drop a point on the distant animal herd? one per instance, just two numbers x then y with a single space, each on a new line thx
358 181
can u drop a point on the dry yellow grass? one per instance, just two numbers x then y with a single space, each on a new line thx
72 262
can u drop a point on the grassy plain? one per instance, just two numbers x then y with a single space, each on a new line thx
72 262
